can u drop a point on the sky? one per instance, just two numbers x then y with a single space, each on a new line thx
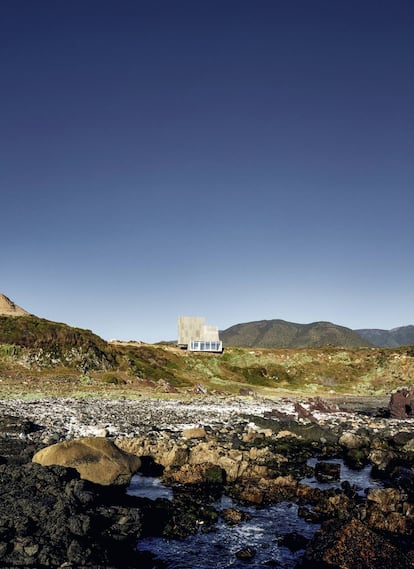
233 159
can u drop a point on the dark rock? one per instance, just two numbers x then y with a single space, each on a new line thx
310 432
402 476
246 554
11 425
402 438
390 510
190 512
350 490
303 413
149 467
294 541
279 416
356 458
323 406
157 515
401 404
48 516
308 515
327 471
14 446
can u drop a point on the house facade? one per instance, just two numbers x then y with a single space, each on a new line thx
195 335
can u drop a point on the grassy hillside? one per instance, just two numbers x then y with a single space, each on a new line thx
50 343
39 357
282 334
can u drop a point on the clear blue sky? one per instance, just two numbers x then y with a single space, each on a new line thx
240 160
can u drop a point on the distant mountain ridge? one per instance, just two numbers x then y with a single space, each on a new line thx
274 333
401 336
283 334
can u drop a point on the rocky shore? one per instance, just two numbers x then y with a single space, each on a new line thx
254 450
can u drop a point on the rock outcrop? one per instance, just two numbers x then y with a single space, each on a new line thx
97 459
237 463
402 404
352 545
51 518
9 308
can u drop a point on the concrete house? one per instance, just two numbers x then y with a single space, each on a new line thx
197 336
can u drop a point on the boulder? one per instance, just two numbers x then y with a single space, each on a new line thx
266 491
246 553
194 433
327 471
403 438
381 458
401 405
165 452
234 516
96 459
387 499
353 441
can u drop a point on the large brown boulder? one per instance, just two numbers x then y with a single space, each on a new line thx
401 404
97 459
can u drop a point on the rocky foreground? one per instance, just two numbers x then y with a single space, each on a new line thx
254 450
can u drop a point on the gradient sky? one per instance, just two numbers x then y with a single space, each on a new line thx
239 160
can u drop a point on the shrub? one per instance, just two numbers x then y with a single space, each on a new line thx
113 379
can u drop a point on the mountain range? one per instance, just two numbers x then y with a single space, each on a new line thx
283 334
258 334
401 336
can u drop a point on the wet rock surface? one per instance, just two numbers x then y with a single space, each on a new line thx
48 516
352 545
255 451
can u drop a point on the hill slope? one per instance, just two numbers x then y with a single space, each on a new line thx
402 336
282 334
51 343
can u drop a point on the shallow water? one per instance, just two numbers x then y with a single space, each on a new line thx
149 487
360 478
263 532
218 548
